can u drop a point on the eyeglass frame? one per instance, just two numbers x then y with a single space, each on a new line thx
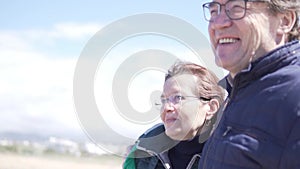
206 5
177 98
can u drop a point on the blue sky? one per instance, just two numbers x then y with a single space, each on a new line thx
17 14
40 43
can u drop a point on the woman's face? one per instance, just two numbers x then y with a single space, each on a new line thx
182 120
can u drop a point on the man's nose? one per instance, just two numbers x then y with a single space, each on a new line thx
221 21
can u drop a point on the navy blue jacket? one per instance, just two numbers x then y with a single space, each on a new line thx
260 125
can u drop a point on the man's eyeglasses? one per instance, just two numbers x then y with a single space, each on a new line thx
176 99
234 9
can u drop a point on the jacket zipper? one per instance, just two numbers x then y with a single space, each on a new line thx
166 165
228 129
193 161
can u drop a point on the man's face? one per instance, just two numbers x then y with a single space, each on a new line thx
238 42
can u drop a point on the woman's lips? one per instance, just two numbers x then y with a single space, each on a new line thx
170 120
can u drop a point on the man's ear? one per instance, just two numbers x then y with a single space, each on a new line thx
213 108
288 19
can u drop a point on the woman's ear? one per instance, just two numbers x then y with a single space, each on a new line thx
213 108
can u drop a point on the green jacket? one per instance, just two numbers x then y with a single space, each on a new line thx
151 151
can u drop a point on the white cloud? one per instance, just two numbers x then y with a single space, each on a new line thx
36 87
39 88
31 40
74 30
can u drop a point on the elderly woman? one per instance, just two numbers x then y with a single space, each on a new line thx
189 103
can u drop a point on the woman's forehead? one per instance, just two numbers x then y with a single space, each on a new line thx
181 82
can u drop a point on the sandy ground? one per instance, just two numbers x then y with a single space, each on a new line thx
15 161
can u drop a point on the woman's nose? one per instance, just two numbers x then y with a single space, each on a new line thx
168 106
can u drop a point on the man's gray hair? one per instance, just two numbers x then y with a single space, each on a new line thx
290 5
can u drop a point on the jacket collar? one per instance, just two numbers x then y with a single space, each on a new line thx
156 141
274 60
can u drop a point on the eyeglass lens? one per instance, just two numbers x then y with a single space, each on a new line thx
234 9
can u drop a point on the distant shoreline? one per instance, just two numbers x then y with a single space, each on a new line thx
9 160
